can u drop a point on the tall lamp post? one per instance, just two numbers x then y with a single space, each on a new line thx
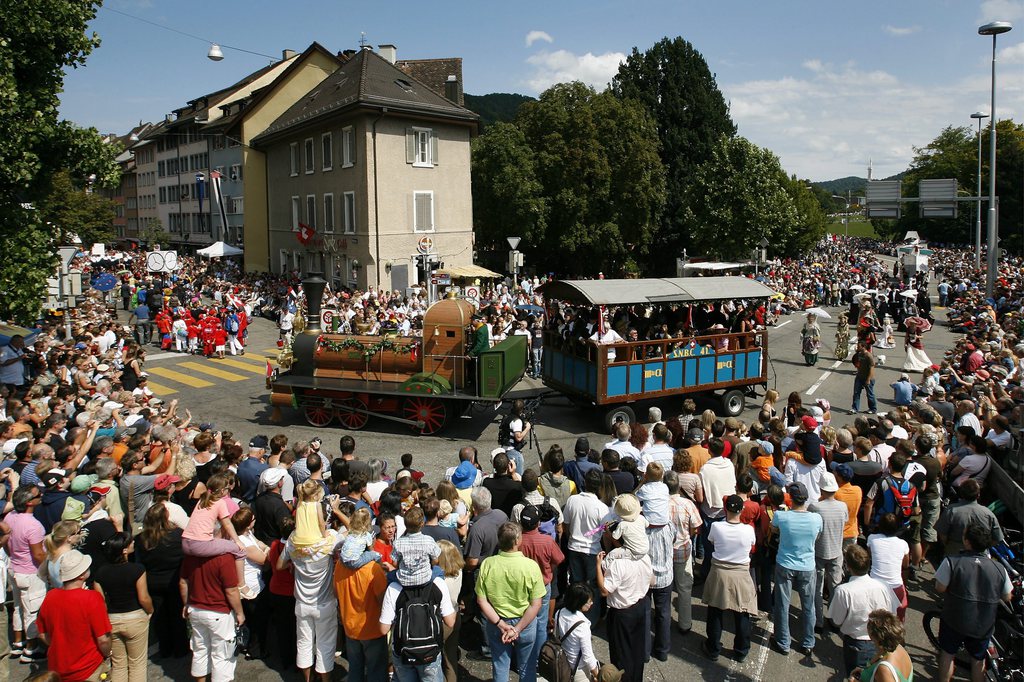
846 211
977 230
993 29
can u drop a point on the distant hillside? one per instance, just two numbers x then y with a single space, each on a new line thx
851 183
497 106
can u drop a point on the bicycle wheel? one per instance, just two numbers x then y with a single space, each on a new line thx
930 622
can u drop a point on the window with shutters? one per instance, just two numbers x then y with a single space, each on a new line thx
311 211
420 147
310 161
328 213
423 211
349 208
236 171
348 147
296 213
327 145
293 149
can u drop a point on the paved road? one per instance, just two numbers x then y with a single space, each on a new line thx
231 394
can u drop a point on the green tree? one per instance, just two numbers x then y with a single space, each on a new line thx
71 209
811 222
954 154
673 82
508 198
40 40
603 182
153 234
739 196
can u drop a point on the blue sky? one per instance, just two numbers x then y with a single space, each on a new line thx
824 85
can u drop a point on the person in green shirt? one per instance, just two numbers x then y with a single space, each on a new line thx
481 337
509 591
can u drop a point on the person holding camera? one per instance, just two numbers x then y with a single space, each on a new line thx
515 433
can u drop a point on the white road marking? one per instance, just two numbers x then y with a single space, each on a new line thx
824 377
780 326
161 356
762 656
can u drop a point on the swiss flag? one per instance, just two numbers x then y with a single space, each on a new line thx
305 233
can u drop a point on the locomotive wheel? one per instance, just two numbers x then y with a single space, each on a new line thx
353 421
318 415
431 411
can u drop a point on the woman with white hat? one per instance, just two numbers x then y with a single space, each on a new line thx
625 576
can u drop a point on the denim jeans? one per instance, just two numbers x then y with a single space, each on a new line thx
501 653
741 644
537 354
541 627
661 620
364 659
583 569
431 672
857 653
803 582
868 386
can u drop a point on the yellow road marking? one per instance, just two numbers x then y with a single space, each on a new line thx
239 363
212 371
160 389
179 377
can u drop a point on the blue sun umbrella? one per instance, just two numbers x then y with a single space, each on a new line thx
104 282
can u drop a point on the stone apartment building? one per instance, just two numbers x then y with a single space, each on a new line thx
377 163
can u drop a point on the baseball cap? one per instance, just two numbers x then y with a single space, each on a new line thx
695 435
529 517
260 442
797 490
766 447
828 483
818 414
734 503
82 483
206 426
809 422
53 477
843 469
271 477
165 481
582 446
12 444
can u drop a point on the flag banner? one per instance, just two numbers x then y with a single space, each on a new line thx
218 196
305 233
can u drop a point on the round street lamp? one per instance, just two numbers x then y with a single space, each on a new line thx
993 29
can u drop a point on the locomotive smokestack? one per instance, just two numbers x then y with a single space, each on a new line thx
313 286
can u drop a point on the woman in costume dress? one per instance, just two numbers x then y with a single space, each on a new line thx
917 360
867 325
810 339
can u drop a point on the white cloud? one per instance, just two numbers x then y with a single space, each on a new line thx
1012 55
560 66
534 36
1001 10
900 31
827 121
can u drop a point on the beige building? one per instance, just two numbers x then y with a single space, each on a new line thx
377 164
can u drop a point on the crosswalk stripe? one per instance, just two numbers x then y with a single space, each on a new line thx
179 377
272 351
160 389
236 362
212 371
255 359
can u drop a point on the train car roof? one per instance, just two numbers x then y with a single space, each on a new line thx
660 290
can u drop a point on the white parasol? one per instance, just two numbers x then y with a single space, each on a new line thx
819 312
856 287
909 293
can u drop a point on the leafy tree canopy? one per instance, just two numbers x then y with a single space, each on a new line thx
40 39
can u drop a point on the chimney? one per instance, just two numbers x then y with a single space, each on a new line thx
388 52
347 54
169 118
451 89
287 54
313 286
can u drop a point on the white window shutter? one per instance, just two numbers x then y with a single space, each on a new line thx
433 149
410 145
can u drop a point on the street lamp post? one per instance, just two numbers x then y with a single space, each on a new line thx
846 211
993 29
977 230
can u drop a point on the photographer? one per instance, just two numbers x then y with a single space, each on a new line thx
514 433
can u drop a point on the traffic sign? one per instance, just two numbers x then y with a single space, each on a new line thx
513 242
425 245
327 316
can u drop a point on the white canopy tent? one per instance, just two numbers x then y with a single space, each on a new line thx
219 250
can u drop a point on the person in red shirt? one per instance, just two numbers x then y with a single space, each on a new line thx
282 597
209 590
210 326
73 623
220 339
193 335
543 549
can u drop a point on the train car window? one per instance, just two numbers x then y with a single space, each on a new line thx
450 334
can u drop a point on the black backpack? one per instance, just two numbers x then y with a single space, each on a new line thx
552 663
548 518
506 438
417 633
